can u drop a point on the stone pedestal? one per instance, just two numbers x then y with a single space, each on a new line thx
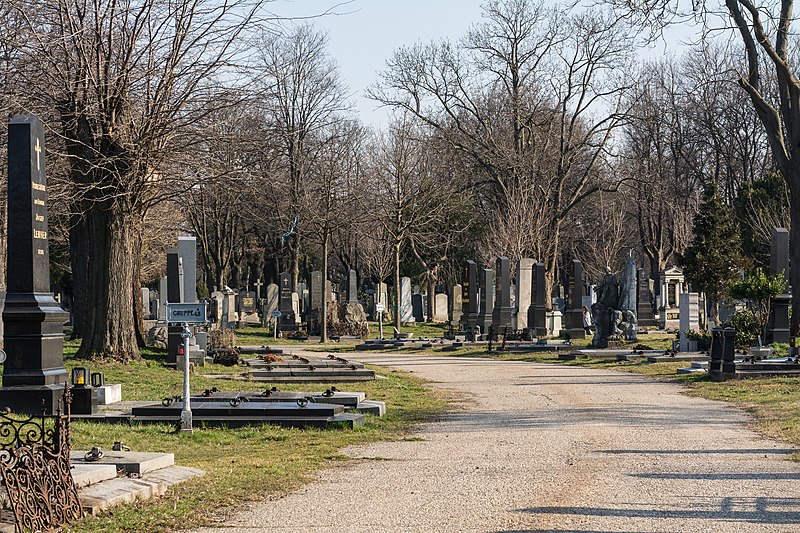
778 329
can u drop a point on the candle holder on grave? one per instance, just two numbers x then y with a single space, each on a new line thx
80 376
84 395
98 379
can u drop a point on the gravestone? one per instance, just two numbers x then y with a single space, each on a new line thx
644 308
418 305
162 299
145 303
317 290
440 308
778 323
627 286
523 291
537 311
175 288
287 321
248 309
501 315
296 308
456 306
689 320
229 317
486 300
187 251
34 373
672 281
469 296
574 314
217 303
352 287
270 304
406 309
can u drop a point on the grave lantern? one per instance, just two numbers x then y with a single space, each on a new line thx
98 379
80 376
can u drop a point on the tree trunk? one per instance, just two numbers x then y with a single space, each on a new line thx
431 295
112 271
323 334
794 249
79 257
138 303
397 292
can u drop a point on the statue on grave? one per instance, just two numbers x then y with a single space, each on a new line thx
603 311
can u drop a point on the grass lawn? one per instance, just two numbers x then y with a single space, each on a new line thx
242 464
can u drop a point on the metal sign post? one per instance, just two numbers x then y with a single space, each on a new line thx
186 315
380 307
276 314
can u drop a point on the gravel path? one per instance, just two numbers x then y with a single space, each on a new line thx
550 448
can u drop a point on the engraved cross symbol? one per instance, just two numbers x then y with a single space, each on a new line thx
38 150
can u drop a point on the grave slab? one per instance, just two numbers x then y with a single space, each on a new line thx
131 462
84 474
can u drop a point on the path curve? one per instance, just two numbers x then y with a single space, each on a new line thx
550 448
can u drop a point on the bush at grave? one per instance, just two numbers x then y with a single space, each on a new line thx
221 338
745 323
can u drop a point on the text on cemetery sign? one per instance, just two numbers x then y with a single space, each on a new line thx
186 313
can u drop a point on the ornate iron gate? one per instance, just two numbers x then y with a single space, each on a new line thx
35 466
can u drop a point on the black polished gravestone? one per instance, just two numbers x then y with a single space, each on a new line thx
469 296
34 374
574 314
501 315
287 321
537 312
644 309
778 329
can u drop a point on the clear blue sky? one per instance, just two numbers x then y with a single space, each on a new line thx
367 32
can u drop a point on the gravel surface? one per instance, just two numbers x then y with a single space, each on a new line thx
550 448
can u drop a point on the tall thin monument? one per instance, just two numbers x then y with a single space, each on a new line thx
34 374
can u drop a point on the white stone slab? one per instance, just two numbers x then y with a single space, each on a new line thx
108 394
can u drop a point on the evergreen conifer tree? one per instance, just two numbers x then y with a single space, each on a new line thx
714 256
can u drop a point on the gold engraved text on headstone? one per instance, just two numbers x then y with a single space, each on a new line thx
38 187
40 251
39 218
39 234
38 150
38 201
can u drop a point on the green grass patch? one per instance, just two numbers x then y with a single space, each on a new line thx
244 464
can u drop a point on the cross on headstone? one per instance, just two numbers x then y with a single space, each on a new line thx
258 285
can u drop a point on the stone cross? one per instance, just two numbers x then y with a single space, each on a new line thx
258 285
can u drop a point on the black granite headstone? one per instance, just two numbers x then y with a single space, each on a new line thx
537 312
175 289
574 314
34 374
287 321
487 300
778 327
469 296
501 315
247 302
644 308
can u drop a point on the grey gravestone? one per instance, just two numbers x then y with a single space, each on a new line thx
469 296
440 308
145 303
574 314
537 312
406 310
175 288
501 315
34 373
487 300
270 304
162 299
627 286
523 291
456 305
352 287
287 321
689 305
418 305
187 251
778 329
644 308
316 290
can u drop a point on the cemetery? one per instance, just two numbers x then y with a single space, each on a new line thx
552 289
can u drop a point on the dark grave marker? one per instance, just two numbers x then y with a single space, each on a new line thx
537 312
287 319
778 329
247 302
574 313
175 288
469 296
501 315
644 307
487 300
34 374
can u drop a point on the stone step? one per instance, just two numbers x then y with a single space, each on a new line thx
100 496
691 371
343 378
138 463
347 420
85 474
700 364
